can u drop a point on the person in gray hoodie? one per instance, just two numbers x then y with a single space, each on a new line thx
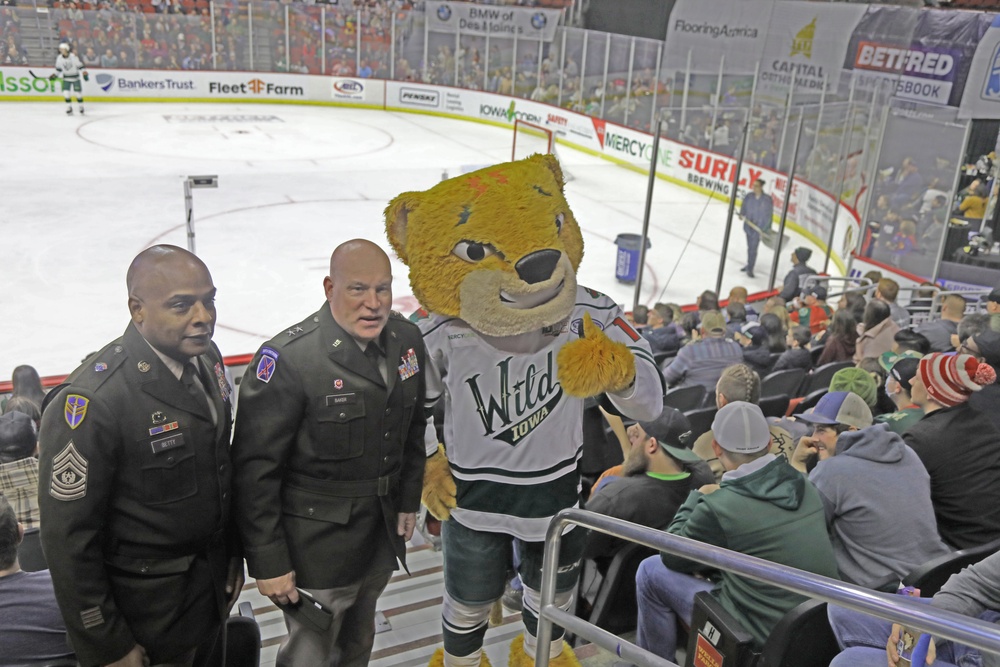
875 490
870 642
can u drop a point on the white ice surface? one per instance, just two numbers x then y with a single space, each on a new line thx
81 196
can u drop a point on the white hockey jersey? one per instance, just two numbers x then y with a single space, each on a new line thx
69 67
508 423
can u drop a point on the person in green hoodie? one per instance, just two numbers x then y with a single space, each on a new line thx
763 507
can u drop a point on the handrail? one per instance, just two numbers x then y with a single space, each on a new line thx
945 624
864 284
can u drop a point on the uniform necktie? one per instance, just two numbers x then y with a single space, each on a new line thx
374 354
191 381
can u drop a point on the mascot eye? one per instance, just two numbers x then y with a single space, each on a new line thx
559 222
473 252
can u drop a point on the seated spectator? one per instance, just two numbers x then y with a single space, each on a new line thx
660 333
702 361
25 406
940 331
871 642
739 294
763 507
657 476
958 446
33 629
19 467
877 372
740 384
813 313
887 291
874 488
109 59
877 331
903 242
841 339
985 346
993 308
639 316
907 340
857 381
974 206
970 325
908 186
753 338
796 356
898 388
776 306
776 332
736 316
707 301
855 303
690 323
790 289
25 382
678 315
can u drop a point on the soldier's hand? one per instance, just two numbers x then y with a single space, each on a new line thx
134 658
280 590
234 582
405 524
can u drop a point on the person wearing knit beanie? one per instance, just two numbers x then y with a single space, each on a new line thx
949 379
856 380
958 446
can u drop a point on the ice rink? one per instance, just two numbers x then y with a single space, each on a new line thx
83 194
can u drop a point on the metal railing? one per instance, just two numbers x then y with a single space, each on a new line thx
948 625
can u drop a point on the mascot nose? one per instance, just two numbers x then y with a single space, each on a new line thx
538 266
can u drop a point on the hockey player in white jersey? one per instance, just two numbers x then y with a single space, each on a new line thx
69 67
514 346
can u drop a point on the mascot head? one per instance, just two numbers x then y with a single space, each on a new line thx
498 247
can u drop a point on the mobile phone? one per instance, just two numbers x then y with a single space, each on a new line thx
309 611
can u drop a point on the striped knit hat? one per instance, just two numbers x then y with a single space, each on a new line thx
951 378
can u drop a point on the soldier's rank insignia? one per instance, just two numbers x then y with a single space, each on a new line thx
69 474
75 410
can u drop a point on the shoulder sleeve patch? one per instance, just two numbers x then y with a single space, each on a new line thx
69 474
75 409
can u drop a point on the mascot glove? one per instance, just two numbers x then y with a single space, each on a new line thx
439 486
594 363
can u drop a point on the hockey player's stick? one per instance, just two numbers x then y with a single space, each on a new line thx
35 76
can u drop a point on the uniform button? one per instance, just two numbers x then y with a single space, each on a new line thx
222 468
170 459
343 414
310 511
144 569
387 434
385 459
388 410
225 494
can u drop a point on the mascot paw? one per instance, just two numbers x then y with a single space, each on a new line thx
439 486
437 660
594 363
518 658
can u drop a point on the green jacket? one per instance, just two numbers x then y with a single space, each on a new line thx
771 512
902 420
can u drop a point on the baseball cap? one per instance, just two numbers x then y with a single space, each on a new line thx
668 429
740 427
839 407
713 321
888 359
994 295
817 291
904 370
755 332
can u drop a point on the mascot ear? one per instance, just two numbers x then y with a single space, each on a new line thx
396 218
552 164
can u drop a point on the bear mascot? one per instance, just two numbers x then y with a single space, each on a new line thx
514 346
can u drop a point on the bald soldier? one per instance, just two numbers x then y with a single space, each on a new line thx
134 479
329 459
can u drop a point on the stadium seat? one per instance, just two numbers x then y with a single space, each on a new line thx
820 377
29 553
809 401
774 406
684 398
701 422
930 577
782 383
615 608
802 638
815 353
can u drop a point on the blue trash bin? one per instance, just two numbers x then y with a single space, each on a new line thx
627 264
